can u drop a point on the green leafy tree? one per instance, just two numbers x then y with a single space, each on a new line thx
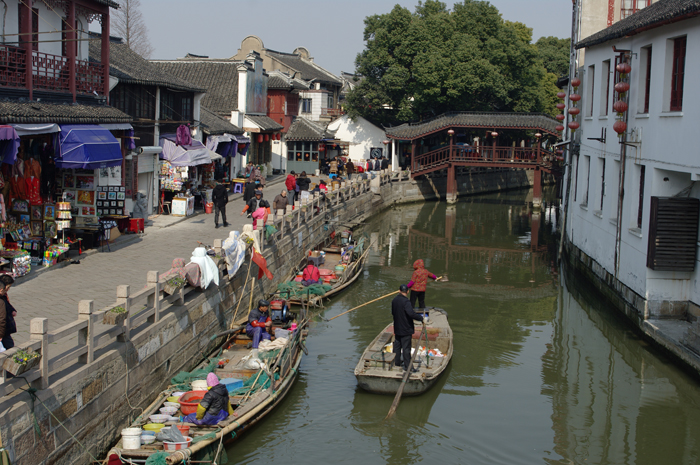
554 53
435 60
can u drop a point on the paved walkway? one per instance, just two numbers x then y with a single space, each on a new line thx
54 294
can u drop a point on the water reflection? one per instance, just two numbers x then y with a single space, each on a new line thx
542 372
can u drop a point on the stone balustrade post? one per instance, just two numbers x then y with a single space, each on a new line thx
123 292
86 335
153 278
39 331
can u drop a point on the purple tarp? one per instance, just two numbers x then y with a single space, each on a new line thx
9 144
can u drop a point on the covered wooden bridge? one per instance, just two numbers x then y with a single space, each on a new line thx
483 139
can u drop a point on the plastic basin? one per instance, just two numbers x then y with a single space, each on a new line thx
155 427
190 400
171 446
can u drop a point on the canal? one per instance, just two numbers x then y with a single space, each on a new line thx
542 373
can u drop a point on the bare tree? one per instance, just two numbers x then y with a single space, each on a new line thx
127 23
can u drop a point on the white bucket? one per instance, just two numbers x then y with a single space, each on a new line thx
199 385
131 438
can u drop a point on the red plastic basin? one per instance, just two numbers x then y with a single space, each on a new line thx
190 400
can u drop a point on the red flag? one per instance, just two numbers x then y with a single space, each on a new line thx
259 260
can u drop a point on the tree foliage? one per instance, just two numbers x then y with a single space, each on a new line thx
435 60
554 53
127 23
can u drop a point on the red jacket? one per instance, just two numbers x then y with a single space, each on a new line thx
311 273
290 182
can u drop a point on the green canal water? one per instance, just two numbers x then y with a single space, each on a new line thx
543 372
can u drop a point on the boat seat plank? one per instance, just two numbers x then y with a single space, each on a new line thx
382 341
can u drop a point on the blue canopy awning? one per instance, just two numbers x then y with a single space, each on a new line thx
87 146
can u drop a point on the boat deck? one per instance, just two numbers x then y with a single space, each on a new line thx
376 371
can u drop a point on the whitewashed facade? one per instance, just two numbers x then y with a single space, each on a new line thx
662 155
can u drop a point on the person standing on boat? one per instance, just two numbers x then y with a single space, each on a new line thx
259 323
403 313
418 283
214 406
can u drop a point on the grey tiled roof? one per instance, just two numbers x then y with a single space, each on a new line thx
470 119
215 125
305 130
265 123
111 3
307 69
279 80
218 77
656 14
13 111
130 67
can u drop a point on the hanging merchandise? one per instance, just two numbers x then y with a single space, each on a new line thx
171 177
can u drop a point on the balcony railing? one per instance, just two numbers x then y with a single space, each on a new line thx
49 72
332 112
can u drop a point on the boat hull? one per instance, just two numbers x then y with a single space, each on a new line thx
389 386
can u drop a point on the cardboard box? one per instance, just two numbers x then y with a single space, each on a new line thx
114 234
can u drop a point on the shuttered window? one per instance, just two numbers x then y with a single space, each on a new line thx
673 234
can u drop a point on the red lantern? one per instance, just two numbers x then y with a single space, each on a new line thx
575 82
574 111
279 136
574 125
559 128
561 106
561 117
620 106
322 148
574 97
561 95
260 138
560 158
620 127
622 87
267 137
623 68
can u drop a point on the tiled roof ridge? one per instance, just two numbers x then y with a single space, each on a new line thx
472 113
655 15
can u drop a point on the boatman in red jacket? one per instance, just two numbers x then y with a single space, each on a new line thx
259 323
311 275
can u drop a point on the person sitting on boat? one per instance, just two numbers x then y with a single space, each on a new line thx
418 283
214 406
403 313
311 274
259 323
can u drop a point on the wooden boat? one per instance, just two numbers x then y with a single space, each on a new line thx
250 406
334 257
375 372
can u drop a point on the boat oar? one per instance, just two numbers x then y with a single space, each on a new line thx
406 375
366 303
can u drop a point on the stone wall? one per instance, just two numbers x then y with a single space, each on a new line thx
94 401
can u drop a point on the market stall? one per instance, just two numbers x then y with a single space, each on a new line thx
186 176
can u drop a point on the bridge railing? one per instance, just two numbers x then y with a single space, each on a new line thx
476 156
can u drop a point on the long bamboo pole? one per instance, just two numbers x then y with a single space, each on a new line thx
397 399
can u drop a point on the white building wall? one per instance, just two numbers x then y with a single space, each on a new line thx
667 148
361 134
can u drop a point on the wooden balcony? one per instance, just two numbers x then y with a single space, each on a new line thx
333 112
49 72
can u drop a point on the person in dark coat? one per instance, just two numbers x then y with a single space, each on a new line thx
303 182
403 314
220 198
385 163
249 190
214 407
255 203
7 313
377 164
259 325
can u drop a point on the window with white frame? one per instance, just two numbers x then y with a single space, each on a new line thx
305 105
605 88
590 90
